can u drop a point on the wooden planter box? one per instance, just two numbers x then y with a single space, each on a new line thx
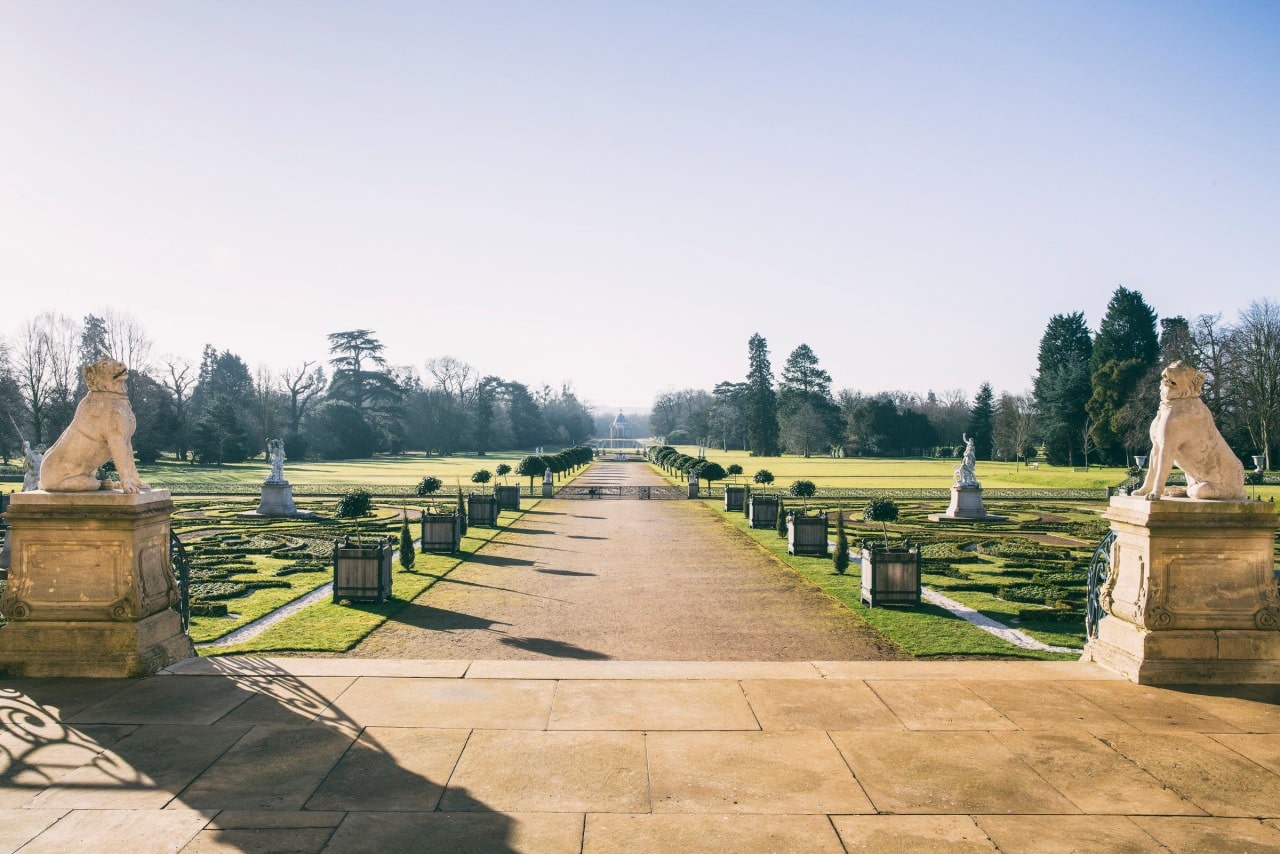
482 510
763 511
807 535
890 576
440 533
508 497
733 498
361 573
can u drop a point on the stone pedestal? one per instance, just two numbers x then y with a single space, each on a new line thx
1190 595
91 586
966 506
277 500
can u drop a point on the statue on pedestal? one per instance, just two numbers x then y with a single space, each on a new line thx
964 475
1183 434
101 430
31 462
275 455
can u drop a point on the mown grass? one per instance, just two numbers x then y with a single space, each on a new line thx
882 473
401 469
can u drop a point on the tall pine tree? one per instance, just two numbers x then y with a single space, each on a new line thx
981 416
1061 387
761 401
1124 351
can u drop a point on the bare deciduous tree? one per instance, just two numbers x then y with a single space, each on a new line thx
1254 374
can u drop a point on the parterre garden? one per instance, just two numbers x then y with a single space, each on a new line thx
244 568
1029 573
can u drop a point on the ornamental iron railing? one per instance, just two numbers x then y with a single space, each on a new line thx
1099 571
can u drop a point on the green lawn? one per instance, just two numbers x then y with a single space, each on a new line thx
889 473
402 469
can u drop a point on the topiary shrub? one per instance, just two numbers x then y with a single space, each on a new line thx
733 470
406 543
482 476
354 504
884 511
502 471
428 486
840 557
804 490
764 477
1030 593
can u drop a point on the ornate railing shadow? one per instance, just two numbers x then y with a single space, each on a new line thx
116 754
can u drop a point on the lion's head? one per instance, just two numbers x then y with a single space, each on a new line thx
1180 380
106 374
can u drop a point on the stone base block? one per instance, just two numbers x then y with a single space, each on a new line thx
277 500
104 650
1192 656
966 506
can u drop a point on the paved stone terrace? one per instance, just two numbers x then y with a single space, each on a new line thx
242 754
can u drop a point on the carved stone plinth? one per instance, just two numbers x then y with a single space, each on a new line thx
1190 595
966 506
277 500
90 586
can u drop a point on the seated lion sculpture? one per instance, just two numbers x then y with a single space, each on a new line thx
1183 434
101 430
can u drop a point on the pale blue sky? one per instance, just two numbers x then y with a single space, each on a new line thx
617 195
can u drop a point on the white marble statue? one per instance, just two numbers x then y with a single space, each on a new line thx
964 475
31 461
101 430
1183 434
275 454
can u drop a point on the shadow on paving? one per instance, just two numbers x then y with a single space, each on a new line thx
439 619
248 760
497 560
554 648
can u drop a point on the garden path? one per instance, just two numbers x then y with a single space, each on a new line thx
624 580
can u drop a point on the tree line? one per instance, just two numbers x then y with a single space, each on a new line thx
1092 397
217 410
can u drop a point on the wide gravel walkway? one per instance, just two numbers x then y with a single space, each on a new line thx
630 580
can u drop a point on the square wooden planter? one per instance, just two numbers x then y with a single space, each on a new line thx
890 576
763 512
440 533
482 510
807 535
361 573
733 498
508 497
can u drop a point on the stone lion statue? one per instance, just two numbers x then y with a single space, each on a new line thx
1183 434
101 430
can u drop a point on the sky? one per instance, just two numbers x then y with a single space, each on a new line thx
616 196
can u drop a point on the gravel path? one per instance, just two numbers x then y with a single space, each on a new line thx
625 580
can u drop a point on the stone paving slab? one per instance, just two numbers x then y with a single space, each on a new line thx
516 669
256 666
296 755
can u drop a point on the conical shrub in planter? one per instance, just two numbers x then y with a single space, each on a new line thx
840 557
